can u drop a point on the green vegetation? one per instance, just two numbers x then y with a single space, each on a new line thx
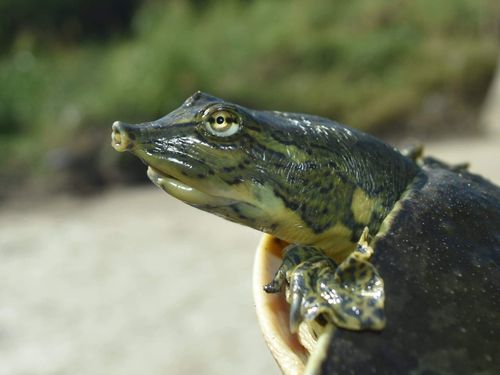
369 64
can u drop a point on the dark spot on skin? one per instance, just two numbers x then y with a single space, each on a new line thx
321 320
289 204
324 190
362 267
235 181
324 211
241 166
184 173
350 271
200 175
227 169
247 162
310 300
132 136
379 313
273 227
368 322
211 172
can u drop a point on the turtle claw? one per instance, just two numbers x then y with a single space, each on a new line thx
273 287
279 278
349 295
296 312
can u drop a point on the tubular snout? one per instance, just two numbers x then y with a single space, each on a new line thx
122 136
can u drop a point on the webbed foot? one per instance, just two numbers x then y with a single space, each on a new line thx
349 295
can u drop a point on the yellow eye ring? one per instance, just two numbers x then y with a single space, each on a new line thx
222 123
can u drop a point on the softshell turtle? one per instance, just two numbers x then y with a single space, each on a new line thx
389 261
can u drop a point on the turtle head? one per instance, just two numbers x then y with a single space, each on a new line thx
302 178
202 153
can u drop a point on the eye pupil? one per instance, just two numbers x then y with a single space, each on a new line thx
221 122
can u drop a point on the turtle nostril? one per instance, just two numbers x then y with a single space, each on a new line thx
120 140
117 136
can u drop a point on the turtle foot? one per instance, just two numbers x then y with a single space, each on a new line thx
349 295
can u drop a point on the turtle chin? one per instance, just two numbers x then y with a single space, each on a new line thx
184 192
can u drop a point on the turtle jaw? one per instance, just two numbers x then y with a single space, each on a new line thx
183 191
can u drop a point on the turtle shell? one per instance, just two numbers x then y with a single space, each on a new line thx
439 259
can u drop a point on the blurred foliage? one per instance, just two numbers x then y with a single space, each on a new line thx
69 68
64 21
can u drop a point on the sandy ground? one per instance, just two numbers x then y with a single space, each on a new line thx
134 282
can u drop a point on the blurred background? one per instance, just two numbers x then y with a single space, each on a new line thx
103 274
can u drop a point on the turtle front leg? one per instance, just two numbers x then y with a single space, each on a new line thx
300 271
349 295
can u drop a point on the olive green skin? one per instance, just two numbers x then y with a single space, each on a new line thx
277 166
296 176
440 264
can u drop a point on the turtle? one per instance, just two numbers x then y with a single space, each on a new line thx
374 259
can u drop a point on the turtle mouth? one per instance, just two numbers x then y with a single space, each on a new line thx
183 191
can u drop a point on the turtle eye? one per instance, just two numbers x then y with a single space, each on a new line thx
222 123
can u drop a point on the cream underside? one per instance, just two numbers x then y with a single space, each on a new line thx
291 352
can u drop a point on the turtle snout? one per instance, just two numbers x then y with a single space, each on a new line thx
122 136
